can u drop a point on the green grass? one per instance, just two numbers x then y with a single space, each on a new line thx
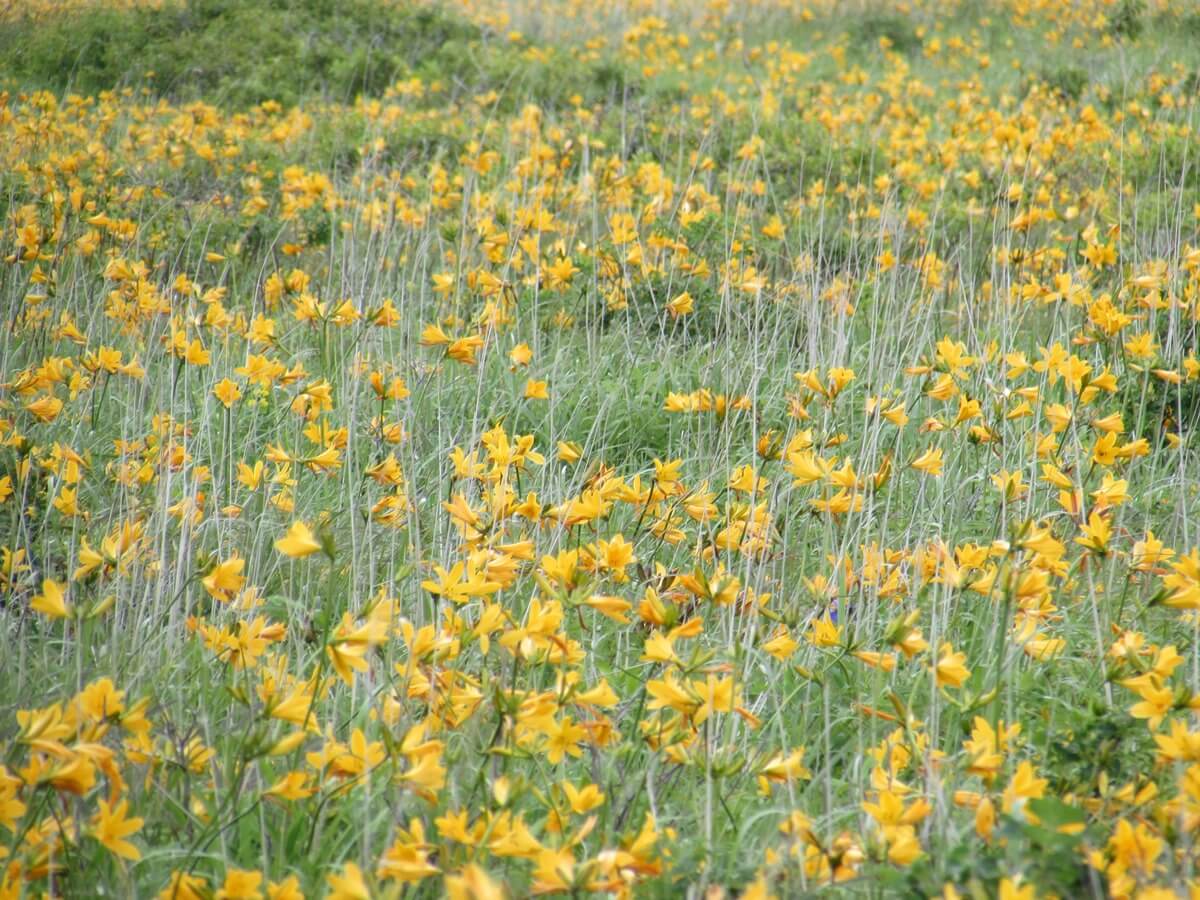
234 53
609 375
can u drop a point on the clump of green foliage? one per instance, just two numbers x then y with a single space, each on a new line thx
234 53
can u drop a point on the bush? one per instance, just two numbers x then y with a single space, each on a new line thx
899 30
229 52
1068 81
1128 20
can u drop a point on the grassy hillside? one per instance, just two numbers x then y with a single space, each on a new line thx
643 449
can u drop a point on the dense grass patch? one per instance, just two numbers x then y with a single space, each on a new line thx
235 53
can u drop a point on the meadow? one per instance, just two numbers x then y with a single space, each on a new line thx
636 448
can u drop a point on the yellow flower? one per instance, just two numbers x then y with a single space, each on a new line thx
112 825
51 601
45 409
298 542
472 883
1024 786
951 669
1014 890
929 462
1156 702
347 885
824 632
659 648
225 580
569 452
288 889
292 786
785 768
521 355
227 392
884 661
183 886
583 800
681 305
1096 534
407 860
241 884
781 645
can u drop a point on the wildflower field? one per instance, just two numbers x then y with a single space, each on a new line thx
647 448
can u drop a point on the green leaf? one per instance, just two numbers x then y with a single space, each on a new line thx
1054 813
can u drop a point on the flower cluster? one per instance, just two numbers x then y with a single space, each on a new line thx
768 463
